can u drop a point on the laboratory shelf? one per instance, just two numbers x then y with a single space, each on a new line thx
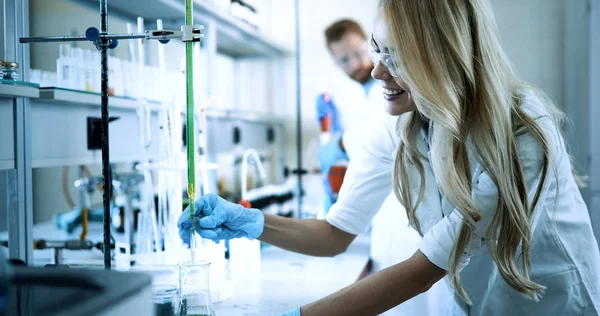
235 38
242 115
83 97
18 89
7 164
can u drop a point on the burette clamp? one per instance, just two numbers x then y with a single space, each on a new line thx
192 33
94 35
163 36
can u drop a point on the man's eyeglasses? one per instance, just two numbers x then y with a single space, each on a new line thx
345 60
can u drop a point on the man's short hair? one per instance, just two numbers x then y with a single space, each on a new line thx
336 31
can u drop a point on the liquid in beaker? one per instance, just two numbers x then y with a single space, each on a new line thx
165 300
194 291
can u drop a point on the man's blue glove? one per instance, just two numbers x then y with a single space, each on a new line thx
325 106
218 219
330 154
293 312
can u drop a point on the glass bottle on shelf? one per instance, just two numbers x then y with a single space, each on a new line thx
10 71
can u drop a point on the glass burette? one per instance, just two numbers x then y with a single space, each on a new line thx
191 188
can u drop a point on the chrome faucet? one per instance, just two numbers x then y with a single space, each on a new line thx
251 153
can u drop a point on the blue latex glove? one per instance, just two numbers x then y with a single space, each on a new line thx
326 106
293 312
330 154
217 219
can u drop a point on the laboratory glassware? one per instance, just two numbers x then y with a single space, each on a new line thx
165 300
190 131
194 290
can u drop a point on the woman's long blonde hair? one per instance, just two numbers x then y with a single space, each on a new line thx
463 84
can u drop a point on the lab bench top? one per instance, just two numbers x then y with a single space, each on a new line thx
286 279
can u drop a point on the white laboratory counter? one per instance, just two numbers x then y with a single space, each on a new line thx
286 279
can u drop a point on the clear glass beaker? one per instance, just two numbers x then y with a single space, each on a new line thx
194 291
165 300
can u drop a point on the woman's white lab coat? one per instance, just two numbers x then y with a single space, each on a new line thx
564 252
392 239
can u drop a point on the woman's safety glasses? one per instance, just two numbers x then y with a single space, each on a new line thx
386 59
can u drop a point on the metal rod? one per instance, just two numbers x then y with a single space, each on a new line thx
104 130
74 38
298 109
57 256
125 36
82 38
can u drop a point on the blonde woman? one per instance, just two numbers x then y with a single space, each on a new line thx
477 159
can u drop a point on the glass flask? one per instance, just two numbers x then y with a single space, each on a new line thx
194 291
165 300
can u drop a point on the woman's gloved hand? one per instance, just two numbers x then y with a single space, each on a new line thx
218 219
